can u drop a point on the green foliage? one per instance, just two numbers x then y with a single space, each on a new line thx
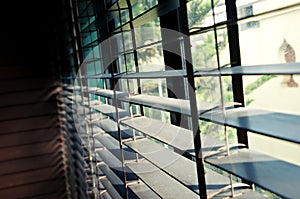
217 131
249 101
266 193
253 86
204 54
259 82
198 10
150 87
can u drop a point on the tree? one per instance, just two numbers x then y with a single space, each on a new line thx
198 10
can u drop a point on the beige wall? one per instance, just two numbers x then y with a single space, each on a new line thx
261 46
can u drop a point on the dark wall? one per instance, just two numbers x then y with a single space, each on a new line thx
27 29
31 161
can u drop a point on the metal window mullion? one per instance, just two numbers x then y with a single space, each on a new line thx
193 104
235 60
221 91
177 86
116 109
91 124
134 50
127 80
123 44
80 53
196 133
182 26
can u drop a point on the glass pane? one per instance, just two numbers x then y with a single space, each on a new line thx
268 35
141 6
208 90
284 150
265 39
223 47
199 13
151 59
220 11
272 92
271 38
204 51
126 63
